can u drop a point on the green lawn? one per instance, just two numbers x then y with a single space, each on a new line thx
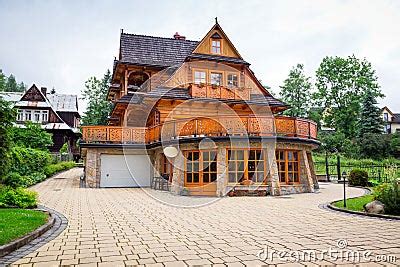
15 223
355 204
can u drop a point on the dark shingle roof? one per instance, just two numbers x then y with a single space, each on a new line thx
154 51
396 117
183 93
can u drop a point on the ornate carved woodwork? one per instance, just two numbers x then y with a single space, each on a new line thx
196 127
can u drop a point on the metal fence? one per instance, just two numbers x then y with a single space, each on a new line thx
381 173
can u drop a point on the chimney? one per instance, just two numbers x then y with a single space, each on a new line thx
177 36
44 90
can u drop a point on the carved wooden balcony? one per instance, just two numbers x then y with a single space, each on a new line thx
201 127
219 92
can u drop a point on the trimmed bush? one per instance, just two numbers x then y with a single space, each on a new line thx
358 178
55 168
19 197
389 194
26 161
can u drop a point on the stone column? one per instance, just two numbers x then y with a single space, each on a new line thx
178 175
308 171
222 175
273 170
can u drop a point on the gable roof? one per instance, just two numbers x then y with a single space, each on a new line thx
218 28
154 51
57 102
63 103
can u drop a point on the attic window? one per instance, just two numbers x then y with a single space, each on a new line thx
216 47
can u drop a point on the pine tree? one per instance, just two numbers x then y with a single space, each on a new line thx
3 79
11 84
296 92
21 87
370 118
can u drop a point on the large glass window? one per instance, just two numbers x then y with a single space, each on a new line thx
232 80
216 46
246 165
288 166
200 77
201 167
216 78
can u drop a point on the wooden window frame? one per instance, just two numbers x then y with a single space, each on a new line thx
165 163
227 79
246 164
212 47
217 72
286 164
200 70
200 171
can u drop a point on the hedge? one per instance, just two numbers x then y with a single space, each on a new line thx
55 168
26 161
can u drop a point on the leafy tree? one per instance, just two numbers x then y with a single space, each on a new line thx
3 80
7 117
341 85
375 146
370 120
296 92
11 84
32 136
95 94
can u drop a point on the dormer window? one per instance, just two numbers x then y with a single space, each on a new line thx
216 47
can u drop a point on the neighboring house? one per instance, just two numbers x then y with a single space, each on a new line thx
391 121
169 94
57 113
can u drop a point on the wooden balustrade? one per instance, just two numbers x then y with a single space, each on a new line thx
219 92
199 127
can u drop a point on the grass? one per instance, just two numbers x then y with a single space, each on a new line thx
15 223
355 204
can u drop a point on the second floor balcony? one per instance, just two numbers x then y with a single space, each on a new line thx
203 127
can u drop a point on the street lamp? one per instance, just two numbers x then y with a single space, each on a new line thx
344 189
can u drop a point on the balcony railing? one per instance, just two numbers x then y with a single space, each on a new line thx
201 127
219 92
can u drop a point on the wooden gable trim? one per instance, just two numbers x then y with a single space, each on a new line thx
33 94
209 35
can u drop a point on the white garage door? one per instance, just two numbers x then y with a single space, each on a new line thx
125 171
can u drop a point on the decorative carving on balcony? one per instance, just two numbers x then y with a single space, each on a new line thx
197 127
219 92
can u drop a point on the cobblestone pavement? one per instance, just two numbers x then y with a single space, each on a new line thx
118 227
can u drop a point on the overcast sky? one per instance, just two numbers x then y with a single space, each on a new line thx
62 43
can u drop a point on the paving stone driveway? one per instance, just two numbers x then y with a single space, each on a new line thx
125 226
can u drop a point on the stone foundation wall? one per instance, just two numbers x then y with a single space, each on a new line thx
308 181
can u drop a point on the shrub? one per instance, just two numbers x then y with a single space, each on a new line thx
19 197
358 178
54 168
32 136
26 161
389 194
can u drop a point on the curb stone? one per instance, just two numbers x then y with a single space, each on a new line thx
330 207
60 223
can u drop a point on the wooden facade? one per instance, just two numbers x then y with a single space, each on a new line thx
203 90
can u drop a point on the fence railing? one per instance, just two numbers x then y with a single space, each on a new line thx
199 127
379 172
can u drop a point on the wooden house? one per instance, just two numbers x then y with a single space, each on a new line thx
194 113
56 113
